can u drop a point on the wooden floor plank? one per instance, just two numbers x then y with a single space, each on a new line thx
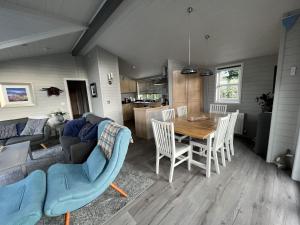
247 192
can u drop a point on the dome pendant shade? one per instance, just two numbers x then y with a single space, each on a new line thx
189 70
206 72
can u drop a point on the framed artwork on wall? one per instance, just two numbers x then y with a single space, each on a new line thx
16 94
93 88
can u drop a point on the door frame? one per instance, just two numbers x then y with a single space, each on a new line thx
68 95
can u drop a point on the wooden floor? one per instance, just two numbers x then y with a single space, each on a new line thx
248 191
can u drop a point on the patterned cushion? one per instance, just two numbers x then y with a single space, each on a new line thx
8 131
34 126
107 138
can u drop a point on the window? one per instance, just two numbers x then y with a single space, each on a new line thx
228 83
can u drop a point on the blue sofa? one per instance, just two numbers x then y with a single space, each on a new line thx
22 203
72 186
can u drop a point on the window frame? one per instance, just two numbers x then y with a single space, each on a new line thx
239 84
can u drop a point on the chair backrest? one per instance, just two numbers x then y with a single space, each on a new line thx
182 111
221 132
114 164
164 137
217 108
168 114
231 125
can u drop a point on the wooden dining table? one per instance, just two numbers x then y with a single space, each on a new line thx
201 126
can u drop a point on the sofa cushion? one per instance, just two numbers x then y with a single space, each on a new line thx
73 127
34 126
88 132
20 127
95 164
8 131
19 139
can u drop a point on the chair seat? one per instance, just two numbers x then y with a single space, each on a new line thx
181 148
22 202
67 186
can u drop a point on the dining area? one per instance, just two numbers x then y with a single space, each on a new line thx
204 140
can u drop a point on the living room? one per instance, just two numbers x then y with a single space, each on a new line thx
106 118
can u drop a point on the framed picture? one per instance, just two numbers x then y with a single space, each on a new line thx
16 94
93 88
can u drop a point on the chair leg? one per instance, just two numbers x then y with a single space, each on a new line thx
223 156
117 189
231 146
67 218
44 146
172 170
157 163
216 161
190 159
228 151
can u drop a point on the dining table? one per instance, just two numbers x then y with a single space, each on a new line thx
201 126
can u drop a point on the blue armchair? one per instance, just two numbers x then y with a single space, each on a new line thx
72 186
22 202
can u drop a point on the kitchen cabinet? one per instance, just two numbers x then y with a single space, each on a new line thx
188 90
128 86
128 111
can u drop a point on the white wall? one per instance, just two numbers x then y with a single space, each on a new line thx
285 121
108 103
257 78
93 73
43 72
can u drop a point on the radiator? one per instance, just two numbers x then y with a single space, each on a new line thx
239 126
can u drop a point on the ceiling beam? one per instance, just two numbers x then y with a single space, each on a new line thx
102 16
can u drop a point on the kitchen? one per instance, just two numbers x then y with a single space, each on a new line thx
140 97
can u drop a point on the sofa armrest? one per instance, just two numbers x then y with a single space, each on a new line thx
81 151
47 132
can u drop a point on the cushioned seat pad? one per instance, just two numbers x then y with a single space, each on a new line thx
22 202
19 139
63 182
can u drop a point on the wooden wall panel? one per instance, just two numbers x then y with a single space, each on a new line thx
188 90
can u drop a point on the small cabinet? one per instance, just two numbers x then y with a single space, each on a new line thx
128 86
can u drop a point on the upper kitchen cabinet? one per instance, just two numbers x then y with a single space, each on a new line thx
128 85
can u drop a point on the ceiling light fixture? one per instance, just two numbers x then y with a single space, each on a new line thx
189 69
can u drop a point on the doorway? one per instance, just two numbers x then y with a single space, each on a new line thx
78 97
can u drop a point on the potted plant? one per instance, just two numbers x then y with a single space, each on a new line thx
265 101
59 115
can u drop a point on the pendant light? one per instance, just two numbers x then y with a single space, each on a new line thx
189 69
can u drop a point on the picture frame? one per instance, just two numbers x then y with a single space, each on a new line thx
16 95
93 88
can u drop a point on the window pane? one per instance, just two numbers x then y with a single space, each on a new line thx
230 76
229 92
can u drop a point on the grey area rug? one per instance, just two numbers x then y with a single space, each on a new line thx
105 206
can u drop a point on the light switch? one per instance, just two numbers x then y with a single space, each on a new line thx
293 71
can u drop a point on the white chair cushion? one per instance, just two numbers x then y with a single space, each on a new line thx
180 148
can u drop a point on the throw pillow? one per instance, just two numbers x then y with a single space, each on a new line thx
34 127
73 127
88 132
20 127
95 164
8 131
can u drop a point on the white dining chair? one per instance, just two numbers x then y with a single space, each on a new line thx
230 135
217 145
166 146
168 115
218 108
182 111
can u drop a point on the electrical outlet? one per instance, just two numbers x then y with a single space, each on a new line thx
293 71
